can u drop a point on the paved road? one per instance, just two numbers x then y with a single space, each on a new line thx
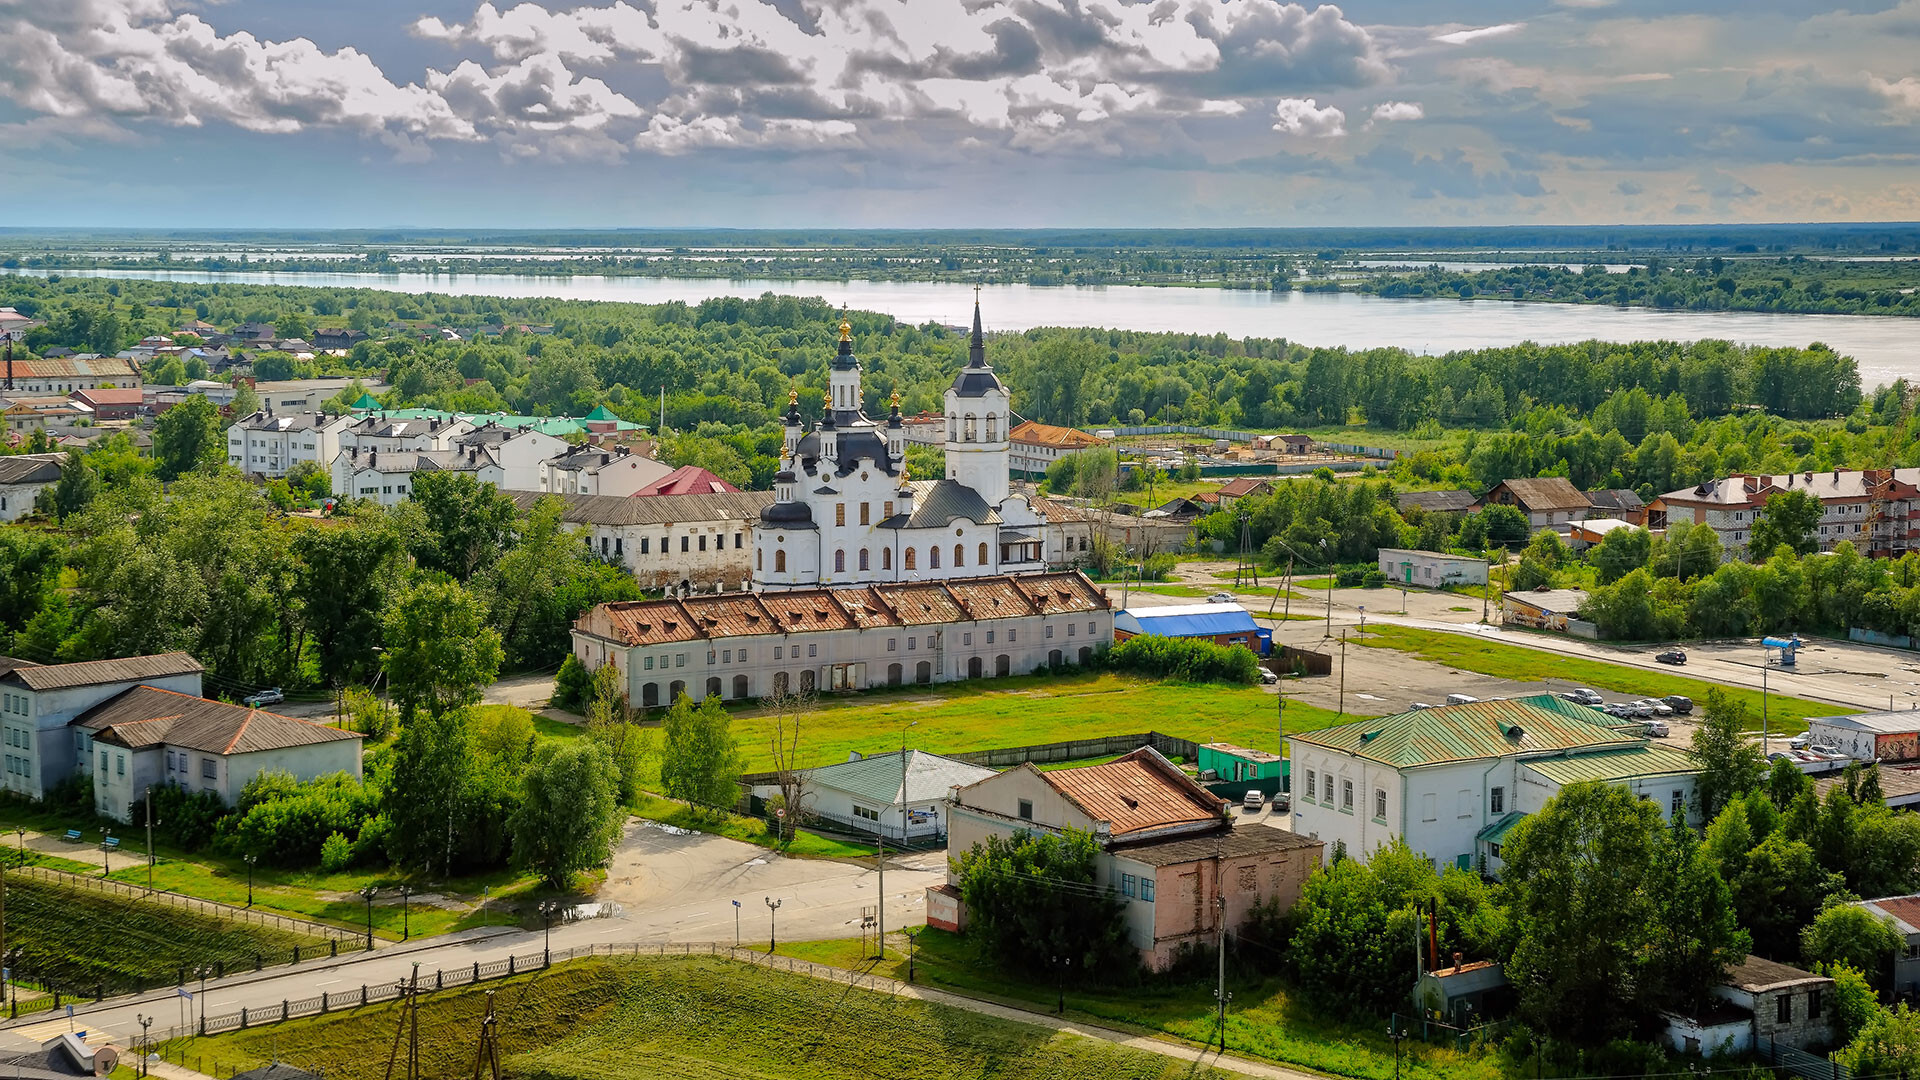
672 887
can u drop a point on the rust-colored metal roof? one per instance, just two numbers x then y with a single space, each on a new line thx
1056 593
807 611
918 604
148 716
1138 793
641 622
992 598
729 615
866 607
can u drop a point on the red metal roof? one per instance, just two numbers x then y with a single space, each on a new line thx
686 480
1137 793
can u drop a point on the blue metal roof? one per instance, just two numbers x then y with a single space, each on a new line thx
1186 620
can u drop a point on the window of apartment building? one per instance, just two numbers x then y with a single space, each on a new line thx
1146 888
1126 884
1429 811
666 544
680 660
1049 632
893 644
1092 628
703 542
647 663
1071 627
103 762
1497 801
1679 803
1346 796
812 649
777 650
644 542
966 638
866 513
1739 515
119 764
1380 804
209 769
1309 785
1026 810
712 657
839 513
989 637
913 643
685 543
1013 635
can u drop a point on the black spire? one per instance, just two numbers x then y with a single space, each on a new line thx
977 346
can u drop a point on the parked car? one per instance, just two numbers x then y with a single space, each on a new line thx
1616 708
1639 710
1658 708
1268 678
264 697
1676 657
1681 704
1656 729
1418 705
1282 802
1800 741
1584 696
1222 598
1823 748
1253 801
1461 699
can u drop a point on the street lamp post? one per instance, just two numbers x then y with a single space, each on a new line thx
736 924
22 834
547 908
1399 1035
106 853
406 913
145 1043
772 906
251 859
369 892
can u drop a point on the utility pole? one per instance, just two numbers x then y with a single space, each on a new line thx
1343 671
489 1055
1220 993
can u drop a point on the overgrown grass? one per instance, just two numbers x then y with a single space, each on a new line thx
1028 710
745 829
686 1017
1263 1021
77 939
1785 714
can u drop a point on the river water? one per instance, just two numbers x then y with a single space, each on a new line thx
1883 346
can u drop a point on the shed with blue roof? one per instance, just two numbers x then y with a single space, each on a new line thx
1222 624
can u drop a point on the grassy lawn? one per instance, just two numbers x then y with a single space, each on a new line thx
1262 1022
1785 714
1028 710
684 1017
75 939
747 829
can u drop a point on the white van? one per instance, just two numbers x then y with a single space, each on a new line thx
1461 699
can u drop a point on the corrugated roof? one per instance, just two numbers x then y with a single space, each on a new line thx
146 716
923 603
1653 759
1056 512
1545 493
1137 793
1496 833
1437 502
1244 485
1903 910
1056 594
876 778
1755 974
1065 438
1483 729
1559 601
1229 842
1896 722
937 503
652 510
686 480
96 672
30 468
74 367
1186 620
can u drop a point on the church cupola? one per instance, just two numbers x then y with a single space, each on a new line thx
896 433
794 426
843 379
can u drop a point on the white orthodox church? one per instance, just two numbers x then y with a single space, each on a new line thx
845 511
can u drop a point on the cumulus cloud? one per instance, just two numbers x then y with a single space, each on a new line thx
1305 116
1905 93
1388 112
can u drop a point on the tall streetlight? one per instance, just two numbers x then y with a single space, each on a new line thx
1399 1035
772 906
369 892
736 924
1326 560
547 908
146 1044
250 860
406 924
106 853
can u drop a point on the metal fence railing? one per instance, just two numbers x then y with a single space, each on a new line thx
1798 1061
214 908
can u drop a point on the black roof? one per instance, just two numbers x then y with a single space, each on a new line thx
942 501
977 378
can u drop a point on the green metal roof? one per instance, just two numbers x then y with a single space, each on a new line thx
1651 759
559 426
877 778
366 402
1585 712
1496 833
1477 731
601 413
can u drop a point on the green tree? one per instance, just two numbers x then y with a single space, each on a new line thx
345 576
569 814
1619 552
610 723
428 799
1579 875
1854 1002
1696 935
245 401
465 525
1505 525
1730 764
1789 518
30 566
76 488
1887 1046
1853 936
699 759
440 653
1777 890
189 436
1035 905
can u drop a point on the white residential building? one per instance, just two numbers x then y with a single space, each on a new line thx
846 511
1431 569
147 737
1874 509
1037 445
519 450
681 542
38 700
874 794
1452 781
386 477
589 470
749 645
67 374
375 431
21 478
270 444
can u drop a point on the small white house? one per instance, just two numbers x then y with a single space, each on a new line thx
519 450
589 470
872 794
21 478
147 737
38 700
1431 569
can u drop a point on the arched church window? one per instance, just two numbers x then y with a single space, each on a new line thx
780 562
909 563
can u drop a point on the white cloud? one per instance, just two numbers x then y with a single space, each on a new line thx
1305 116
1904 93
1461 37
1388 112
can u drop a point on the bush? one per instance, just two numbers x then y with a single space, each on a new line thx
1157 567
288 823
1351 578
1374 578
336 853
1033 897
190 819
1185 659
370 714
572 685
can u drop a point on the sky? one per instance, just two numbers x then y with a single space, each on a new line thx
961 113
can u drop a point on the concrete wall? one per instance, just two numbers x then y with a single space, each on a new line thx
1803 1031
304 762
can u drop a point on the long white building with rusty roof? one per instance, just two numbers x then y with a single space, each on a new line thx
737 646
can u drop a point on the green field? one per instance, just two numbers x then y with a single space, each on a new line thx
683 1017
982 714
77 939
1263 1021
747 829
1785 714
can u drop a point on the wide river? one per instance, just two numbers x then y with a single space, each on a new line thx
1885 347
